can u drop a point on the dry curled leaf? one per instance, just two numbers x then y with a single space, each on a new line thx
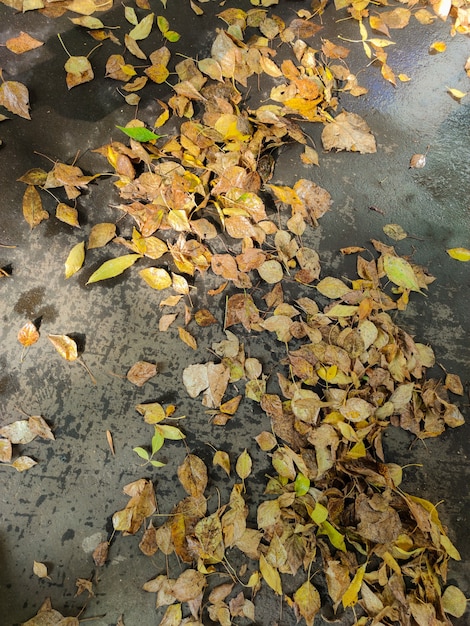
192 474
14 96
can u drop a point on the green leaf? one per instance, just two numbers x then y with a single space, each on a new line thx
301 484
139 133
142 453
171 432
113 267
157 440
157 463
172 35
163 24
400 272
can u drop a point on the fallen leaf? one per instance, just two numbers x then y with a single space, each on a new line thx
65 346
28 334
308 601
400 272
456 93
454 601
438 46
14 96
18 432
100 554
75 259
23 463
141 372
113 267
395 232
460 254
222 459
418 161
244 465
23 43
270 575
156 277
101 234
78 71
40 570
192 474
187 338
33 211
67 214
348 131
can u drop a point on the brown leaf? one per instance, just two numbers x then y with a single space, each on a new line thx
83 584
148 544
78 70
40 428
28 334
141 505
349 132
18 432
14 96
100 553
192 474
204 317
67 214
141 372
418 161
33 211
22 43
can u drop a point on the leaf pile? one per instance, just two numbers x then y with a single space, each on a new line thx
349 371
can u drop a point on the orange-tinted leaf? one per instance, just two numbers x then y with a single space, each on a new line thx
141 372
222 459
28 334
14 96
23 43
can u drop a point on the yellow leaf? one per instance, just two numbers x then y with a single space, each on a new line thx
153 412
187 338
350 596
404 78
244 465
156 277
336 538
23 463
438 46
101 234
222 459
33 211
308 601
449 547
67 214
319 514
75 259
270 575
113 267
461 254
143 28
65 346
454 601
327 374
456 93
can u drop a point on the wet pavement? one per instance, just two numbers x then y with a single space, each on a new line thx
60 510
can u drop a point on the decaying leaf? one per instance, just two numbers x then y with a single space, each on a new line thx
418 161
141 372
23 43
33 210
14 96
349 132
101 234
